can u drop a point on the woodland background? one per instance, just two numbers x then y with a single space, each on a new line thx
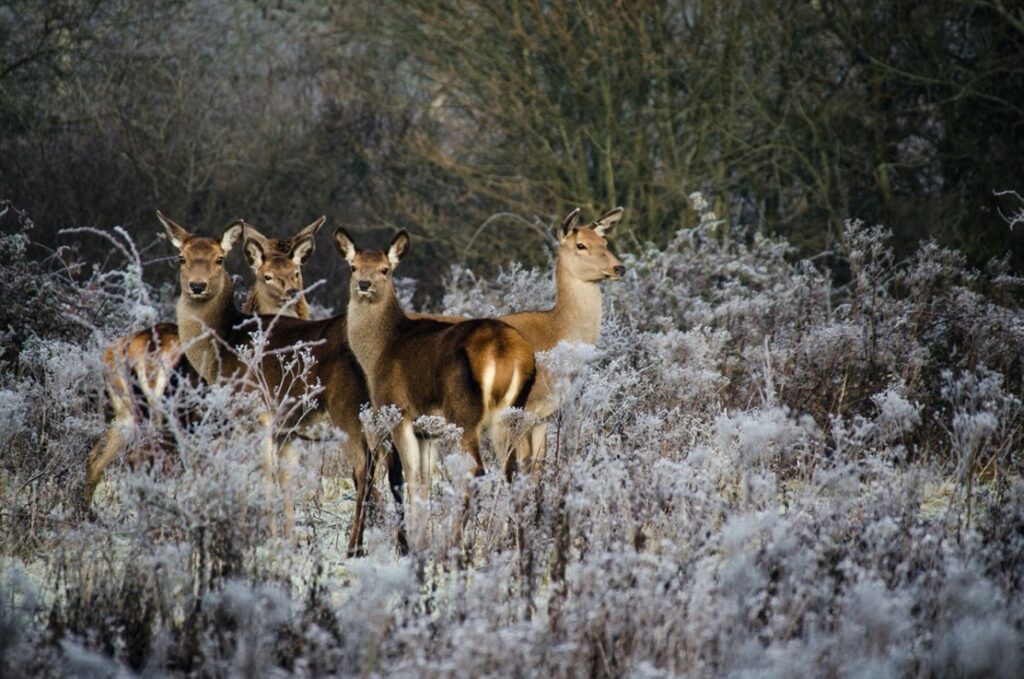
438 116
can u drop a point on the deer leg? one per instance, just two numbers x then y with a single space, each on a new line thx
154 393
429 450
513 453
507 451
523 453
471 444
428 455
542 403
268 463
111 444
396 482
358 452
285 467
538 439
416 491
153 387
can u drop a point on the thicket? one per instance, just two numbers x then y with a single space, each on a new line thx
758 471
434 115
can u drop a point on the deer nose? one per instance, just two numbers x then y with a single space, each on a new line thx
293 293
364 286
197 288
620 270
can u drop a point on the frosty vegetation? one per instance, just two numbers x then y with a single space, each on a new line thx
767 467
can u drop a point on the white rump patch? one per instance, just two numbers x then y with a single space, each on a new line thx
513 389
487 382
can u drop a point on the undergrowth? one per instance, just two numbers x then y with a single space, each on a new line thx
767 466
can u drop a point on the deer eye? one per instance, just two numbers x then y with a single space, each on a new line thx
268 278
384 271
181 260
219 261
581 246
353 269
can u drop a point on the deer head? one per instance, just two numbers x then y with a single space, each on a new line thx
202 274
278 264
584 251
372 270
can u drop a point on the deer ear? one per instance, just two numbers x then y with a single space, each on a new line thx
310 231
252 234
302 251
606 223
399 247
254 253
232 235
175 232
346 246
568 224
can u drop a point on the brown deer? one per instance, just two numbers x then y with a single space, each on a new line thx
583 261
146 363
277 265
468 372
212 334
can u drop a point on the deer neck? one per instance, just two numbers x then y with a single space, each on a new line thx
371 327
577 311
201 323
257 302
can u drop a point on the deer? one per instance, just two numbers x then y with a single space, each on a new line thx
467 372
149 362
213 333
583 261
277 265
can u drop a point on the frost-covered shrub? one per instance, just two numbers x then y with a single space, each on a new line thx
766 467
41 292
13 416
513 289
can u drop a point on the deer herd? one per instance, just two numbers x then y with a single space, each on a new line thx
467 370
